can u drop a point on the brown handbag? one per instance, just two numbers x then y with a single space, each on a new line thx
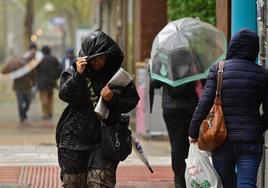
213 130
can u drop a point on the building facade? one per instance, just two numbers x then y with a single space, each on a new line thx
132 23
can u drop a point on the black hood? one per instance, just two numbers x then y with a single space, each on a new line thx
243 45
99 43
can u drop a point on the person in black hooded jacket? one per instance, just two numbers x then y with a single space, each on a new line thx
47 74
78 133
244 89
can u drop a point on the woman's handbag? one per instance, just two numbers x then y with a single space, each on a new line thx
116 140
213 130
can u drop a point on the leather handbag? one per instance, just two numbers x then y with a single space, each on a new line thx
116 140
213 131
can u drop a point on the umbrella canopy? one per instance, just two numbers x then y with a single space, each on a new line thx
20 66
184 50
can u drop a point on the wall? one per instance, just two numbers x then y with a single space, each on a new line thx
150 18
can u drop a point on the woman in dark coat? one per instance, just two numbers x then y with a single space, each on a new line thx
244 90
78 132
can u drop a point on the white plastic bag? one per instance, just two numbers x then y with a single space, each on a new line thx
199 171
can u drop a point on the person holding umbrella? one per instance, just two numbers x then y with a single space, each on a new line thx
181 55
23 80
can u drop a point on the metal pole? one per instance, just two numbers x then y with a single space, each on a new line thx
244 16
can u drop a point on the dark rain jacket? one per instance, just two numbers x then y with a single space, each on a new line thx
25 83
79 127
181 97
47 73
245 88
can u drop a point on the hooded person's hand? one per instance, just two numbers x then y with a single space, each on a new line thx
106 93
81 64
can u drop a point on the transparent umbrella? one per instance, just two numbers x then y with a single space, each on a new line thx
184 50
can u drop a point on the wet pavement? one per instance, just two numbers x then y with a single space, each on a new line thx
36 166
48 177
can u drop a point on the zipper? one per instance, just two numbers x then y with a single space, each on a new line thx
117 143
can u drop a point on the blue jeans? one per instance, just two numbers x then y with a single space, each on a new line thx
245 157
23 102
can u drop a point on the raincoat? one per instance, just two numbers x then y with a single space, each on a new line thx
79 128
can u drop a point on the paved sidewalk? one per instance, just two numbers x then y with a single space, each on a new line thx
48 177
36 166
34 155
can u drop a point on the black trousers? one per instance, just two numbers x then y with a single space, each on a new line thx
177 123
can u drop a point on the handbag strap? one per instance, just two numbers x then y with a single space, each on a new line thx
219 79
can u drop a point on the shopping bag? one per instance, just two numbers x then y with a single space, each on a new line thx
200 172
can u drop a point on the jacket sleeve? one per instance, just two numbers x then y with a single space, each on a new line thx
125 101
265 109
73 89
205 102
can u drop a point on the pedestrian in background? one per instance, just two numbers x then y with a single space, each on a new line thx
23 84
78 135
47 73
178 105
68 58
244 89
